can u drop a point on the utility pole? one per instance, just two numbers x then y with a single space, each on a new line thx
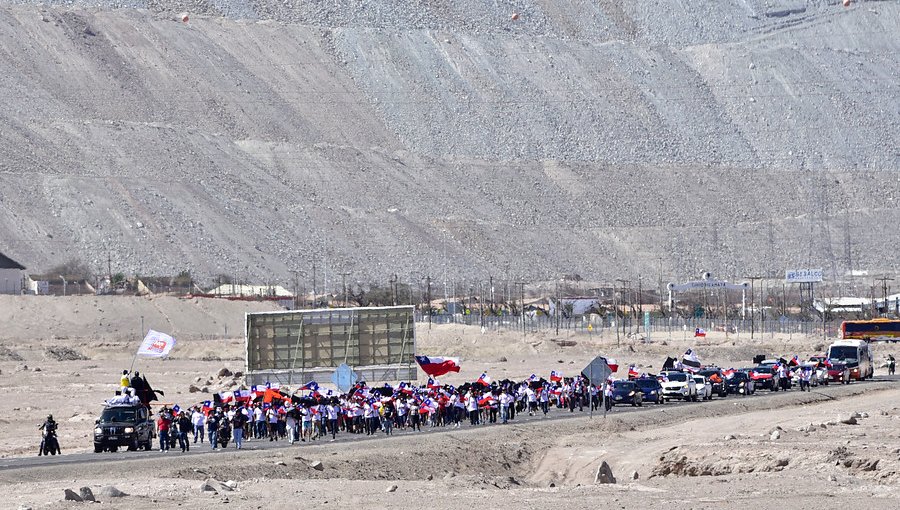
884 292
428 298
481 303
624 305
521 286
295 283
344 285
558 305
314 285
491 291
393 282
640 303
752 300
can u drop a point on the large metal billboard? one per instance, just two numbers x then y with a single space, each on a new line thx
297 346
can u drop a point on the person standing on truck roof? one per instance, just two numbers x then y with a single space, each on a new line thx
125 381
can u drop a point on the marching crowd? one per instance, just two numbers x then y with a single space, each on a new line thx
270 414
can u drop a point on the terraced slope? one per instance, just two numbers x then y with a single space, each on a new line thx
379 137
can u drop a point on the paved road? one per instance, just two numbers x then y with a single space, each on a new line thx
204 449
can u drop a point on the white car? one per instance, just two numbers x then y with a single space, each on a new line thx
679 385
819 374
704 388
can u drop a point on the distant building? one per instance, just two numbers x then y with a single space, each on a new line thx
237 290
12 275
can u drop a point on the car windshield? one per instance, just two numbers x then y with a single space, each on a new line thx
739 376
676 377
646 383
118 414
624 385
843 352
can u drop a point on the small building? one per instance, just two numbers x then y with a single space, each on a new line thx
12 275
261 291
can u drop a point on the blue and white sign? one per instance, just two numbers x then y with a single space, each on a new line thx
344 378
803 276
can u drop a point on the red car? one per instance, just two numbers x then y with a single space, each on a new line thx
839 372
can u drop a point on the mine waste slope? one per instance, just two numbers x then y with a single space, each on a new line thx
463 138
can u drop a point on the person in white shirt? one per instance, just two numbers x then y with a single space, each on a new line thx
199 421
531 397
291 422
505 400
472 406
331 411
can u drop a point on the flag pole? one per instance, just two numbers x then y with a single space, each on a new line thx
591 381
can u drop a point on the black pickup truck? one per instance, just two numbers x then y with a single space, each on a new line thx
125 425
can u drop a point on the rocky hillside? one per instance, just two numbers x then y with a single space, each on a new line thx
460 138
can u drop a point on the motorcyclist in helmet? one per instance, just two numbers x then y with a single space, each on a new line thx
48 430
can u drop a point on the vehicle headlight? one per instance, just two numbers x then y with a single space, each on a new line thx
742 383
631 394
98 431
129 430
653 392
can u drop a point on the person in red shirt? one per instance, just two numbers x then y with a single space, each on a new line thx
163 425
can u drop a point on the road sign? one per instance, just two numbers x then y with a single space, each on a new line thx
597 371
344 378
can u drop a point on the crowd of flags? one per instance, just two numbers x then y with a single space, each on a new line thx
272 394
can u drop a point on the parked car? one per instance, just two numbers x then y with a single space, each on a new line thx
763 377
740 384
819 375
679 385
651 390
626 392
716 380
704 389
839 372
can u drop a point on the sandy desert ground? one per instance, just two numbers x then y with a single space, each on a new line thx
719 454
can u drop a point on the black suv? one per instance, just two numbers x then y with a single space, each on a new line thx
128 426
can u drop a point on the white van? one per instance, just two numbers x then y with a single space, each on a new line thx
856 354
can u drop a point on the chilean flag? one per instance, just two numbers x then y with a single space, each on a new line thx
436 367
555 376
310 386
612 364
433 384
532 378
633 373
700 332
728 373
795 361
484 379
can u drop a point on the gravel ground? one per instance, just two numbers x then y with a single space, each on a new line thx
380 137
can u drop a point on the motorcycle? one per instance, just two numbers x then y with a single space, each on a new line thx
224 435
49 444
